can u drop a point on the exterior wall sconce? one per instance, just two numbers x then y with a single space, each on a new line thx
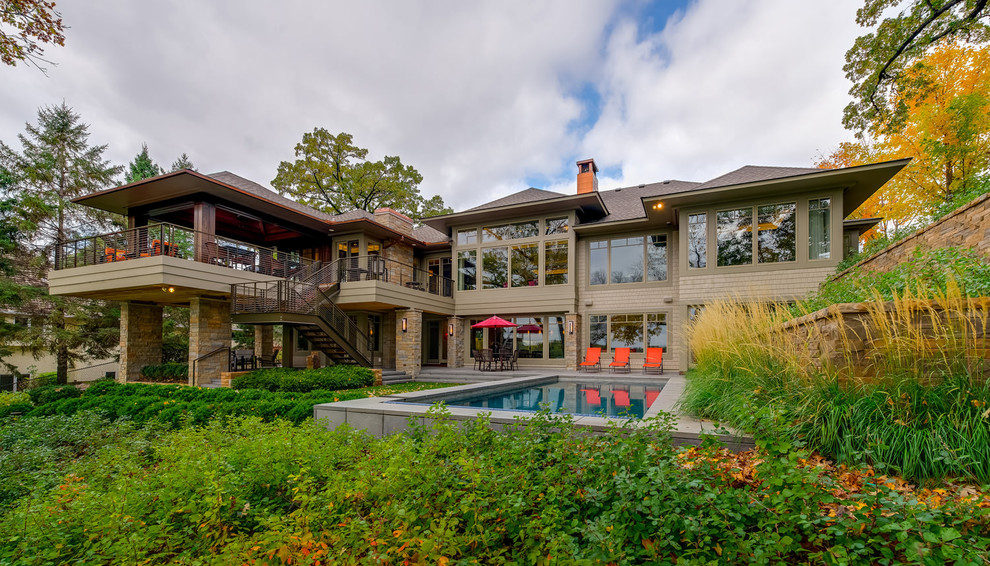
450 329
168 289
405 325
570 327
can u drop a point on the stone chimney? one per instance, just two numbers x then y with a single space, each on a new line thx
394 220
587 179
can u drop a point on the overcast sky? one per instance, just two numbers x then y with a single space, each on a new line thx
483 98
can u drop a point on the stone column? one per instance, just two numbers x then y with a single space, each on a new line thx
209 329
264 336
455 342
573 352
288 345
140 339
388 340
409 344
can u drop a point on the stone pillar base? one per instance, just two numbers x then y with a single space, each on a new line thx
573 352
409 344
140 339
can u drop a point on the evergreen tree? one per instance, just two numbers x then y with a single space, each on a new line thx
54 165
142 167
183 162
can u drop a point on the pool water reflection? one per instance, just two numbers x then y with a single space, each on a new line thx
577 398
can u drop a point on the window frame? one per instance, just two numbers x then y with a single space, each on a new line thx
647 241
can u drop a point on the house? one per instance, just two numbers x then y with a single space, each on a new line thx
609 268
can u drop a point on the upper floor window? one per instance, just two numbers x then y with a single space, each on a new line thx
697 240
556 226
467 270
467 236
632 259
775 241
734 236
510 231
555 259
820 228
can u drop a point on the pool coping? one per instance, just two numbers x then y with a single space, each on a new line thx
390 414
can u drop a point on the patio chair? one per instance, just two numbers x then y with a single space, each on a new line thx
512 361
592 359
654 360
620 359
486 359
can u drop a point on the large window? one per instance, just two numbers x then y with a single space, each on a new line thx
467 270
556 226
698 240
775 240
465 237
495 268
820 228
555 260
510 231
734 233
555 337
525 265
633 331
621 260
627 332
529 337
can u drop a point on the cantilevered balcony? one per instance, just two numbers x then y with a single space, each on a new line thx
165 263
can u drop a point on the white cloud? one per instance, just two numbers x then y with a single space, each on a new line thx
478 97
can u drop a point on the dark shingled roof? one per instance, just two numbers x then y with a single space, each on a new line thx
356 214
522 197
626 204
754 174
429 235
259 191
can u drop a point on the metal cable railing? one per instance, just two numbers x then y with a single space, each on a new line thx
377 268
165 239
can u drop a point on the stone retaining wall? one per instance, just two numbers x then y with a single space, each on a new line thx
968 227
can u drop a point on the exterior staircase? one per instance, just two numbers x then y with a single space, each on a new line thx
308 307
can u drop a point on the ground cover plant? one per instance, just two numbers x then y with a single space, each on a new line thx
167 372
250 492
333 377
916 405
176 405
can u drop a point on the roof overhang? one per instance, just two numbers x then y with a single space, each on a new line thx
861 225
190 184
587 204
376 230
858 184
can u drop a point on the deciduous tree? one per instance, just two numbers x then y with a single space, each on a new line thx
25 27
330 173
876 62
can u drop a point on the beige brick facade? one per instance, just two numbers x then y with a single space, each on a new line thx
140 339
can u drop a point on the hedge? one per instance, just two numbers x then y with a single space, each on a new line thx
335 377
166 372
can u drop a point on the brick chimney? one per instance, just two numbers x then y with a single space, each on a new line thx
394 220
587 179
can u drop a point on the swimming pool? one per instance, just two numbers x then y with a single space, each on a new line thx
580 397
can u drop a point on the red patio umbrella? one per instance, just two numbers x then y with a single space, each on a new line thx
494 322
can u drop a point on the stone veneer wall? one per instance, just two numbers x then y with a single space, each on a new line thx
573 354
394 220
968 226
264 337
455 343
140 339
209 329
409 344
401 272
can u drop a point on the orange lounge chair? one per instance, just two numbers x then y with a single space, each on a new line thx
592 359
654 360
114 254
620 359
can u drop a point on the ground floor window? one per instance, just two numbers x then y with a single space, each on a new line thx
634 331
534 337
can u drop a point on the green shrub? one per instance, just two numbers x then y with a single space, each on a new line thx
52 393
171 372
336 377
9 398
448 493
21 408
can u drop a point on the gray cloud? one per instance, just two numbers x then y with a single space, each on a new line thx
477 96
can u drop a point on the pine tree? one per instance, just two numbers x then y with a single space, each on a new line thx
142 167
183 162
55 165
